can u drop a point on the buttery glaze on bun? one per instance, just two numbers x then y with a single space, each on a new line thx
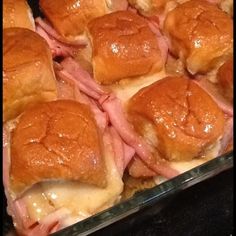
56 140
177 117
225 79
17 13
28 75
200 34
123 46
70 17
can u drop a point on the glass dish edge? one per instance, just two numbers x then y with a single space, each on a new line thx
149 197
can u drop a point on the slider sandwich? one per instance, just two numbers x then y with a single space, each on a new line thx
28 75
204 39
124 53
69 171
180 121
17 13
123 46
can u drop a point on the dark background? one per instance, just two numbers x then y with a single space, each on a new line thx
206 209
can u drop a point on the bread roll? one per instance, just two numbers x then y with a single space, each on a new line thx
200 34
56 140
28 75
123 46
177 117
70 17
17 13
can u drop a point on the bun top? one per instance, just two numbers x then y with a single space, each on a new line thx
17 13
123 46
225 79
28 75
57 140
200 34
183 117
70 17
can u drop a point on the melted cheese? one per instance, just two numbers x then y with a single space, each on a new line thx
82 200
183 166
37 203
126 88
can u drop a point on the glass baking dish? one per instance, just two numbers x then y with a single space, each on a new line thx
143 204
151 197
147 199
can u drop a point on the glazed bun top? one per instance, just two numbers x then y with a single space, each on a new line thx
123 46
70 17
17 13
28 75
57 140
177 117
200 34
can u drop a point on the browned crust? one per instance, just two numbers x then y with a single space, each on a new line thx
28 75
186 120
17 13
123 46
200 34
56 141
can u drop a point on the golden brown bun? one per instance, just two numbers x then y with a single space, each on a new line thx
70 17
57 140
225 79
183 118
123 46
200 34
17 13
28 75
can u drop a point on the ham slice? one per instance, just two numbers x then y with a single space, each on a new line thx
162 40
212 90
227 136
58 49
123 153
129 153
113 107
118 148
73 67
100 116
64 75
69 88
50 31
